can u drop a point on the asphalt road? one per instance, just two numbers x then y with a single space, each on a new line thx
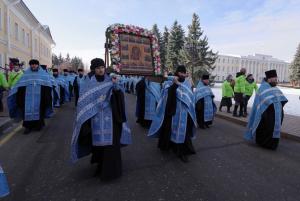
225 167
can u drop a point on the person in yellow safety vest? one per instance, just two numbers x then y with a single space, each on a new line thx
227 94
15 75
3 87
239 91
249 88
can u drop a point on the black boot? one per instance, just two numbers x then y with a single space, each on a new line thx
184 158
235 111
241 113
26 131
228 110
220 108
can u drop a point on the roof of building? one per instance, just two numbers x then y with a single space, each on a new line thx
19 4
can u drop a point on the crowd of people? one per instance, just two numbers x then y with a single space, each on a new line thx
171 110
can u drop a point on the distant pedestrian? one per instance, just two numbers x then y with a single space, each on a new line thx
239 91
227 93
16 74
250 87
3 86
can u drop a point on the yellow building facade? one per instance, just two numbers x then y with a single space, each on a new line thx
22 36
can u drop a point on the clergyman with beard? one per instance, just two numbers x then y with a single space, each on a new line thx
267 114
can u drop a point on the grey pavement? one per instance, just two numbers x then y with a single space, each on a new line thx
225 167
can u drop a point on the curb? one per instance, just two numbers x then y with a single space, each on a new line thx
7 125
242 122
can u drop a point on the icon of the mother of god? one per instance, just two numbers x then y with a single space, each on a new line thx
135 53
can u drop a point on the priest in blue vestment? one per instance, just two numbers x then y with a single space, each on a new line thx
205 106
63 89
175 117
100 126
77 83
31 98
148 95
264 125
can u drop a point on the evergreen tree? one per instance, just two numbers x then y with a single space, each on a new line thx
175 44
76 63
295 66
55 61
68 59
164 47
197 55
60 59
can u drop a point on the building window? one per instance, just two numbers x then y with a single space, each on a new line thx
16 31
23 36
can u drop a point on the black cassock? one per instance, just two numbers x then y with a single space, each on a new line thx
46 101
164 142
76 90
62 95
200 114
264 131
140 101
108 157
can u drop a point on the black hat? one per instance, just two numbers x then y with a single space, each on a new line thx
54 70
15 61
271 73
238 74
205 77
66 70
181 69
34 61
96 63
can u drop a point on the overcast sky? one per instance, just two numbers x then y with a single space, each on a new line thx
232 26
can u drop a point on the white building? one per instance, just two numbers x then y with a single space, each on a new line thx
255 64
22 36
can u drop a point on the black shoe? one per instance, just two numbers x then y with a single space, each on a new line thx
26 131
229 112
220 110
235 115
202 127
184 158
207 126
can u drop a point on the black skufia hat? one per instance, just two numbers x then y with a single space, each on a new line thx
205 77
66 70
96 63
181 69
80 70
271 73
33 62
54 70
